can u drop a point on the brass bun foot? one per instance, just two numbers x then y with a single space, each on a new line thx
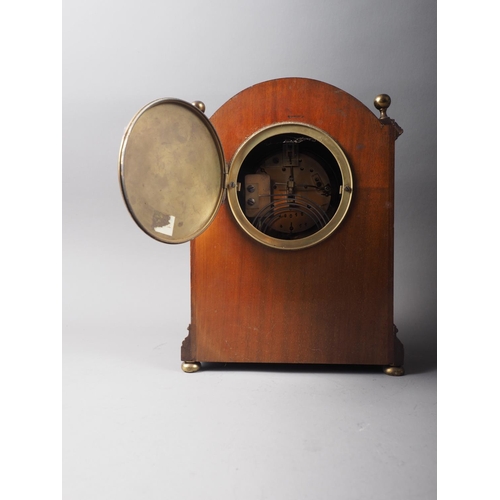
395 371
190 366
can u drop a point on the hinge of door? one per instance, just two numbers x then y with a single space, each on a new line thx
230 185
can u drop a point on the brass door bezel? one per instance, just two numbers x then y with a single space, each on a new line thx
290 128
197 175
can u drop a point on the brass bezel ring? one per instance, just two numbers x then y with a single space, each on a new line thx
291 128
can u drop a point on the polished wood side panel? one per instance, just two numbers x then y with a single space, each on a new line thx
331 303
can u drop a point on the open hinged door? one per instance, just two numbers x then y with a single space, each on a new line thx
172 170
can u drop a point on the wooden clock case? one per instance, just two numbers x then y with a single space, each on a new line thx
329 303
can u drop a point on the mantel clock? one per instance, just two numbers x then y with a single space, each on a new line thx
286 196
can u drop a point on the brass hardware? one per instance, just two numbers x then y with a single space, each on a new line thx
200 105
190 366
171 153
257 193
395 371
290 155
382 103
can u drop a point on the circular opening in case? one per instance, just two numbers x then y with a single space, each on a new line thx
290 186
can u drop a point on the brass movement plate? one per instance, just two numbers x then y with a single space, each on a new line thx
171 168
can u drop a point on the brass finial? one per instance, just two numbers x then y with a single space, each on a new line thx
382 102
199 105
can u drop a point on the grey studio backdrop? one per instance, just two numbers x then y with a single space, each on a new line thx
134 425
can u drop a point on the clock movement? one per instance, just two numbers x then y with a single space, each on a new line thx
286 196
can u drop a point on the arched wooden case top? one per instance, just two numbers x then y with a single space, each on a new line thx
329 302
